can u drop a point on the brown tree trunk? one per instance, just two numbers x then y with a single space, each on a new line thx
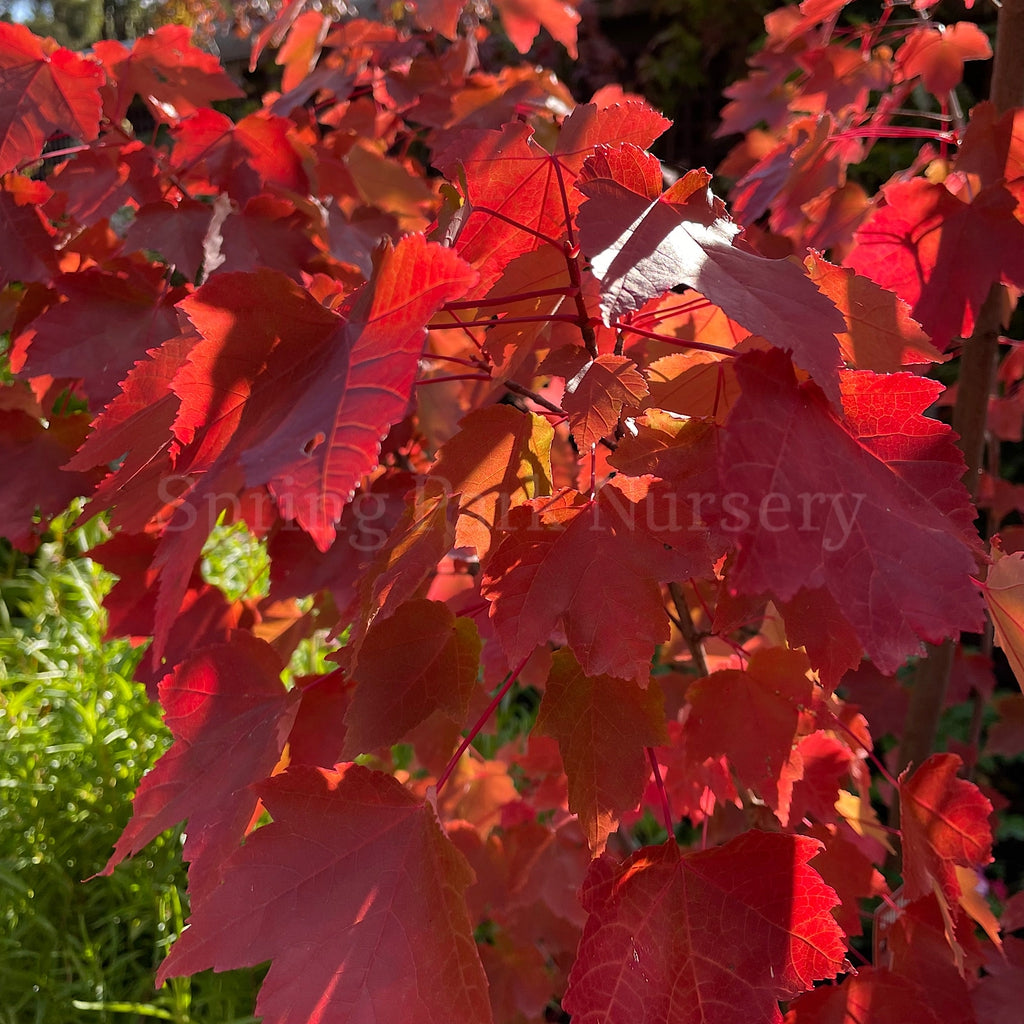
976 383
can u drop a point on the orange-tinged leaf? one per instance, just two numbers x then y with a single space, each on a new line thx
881 335
973 900
440 15
476 792
602 725
388 184
1004 595
596 395
543 271
944 820
500 458
523 20
937 53
419 660
673 447
359 905
862 818
705 938
590 125
301 50
757 740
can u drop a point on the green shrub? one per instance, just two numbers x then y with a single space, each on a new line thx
76 736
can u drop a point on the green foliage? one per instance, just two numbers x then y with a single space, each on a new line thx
237 562
75 737
78 24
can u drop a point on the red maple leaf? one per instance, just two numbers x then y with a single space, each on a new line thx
318 732
44 89
529 189
703 938
117 315
999 995
937 53
642 245
256 155
340 400
915 942
872 995
757 743
96 183
944 821
594 568
880 334
355 895
596 391
267 232
133 431
603 753
939 253
171 76
175 232
991 147
31 473
229 714
30 256
890 538
238 334
848 870
405 561
418 661
523 20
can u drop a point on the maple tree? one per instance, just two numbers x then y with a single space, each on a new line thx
518 416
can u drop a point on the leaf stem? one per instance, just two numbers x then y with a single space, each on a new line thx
522 227
660 315
481 722
585 321
504 300
686 627
669 340
565 201
875 759
454 376
540 318
659 782
518 389
474 364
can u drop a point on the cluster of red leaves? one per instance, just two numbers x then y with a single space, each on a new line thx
510 410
